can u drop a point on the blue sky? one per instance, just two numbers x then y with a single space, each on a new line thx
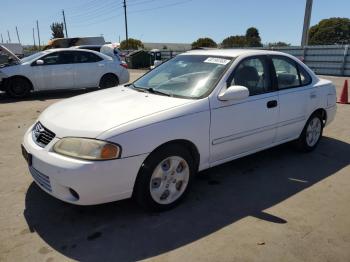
166 20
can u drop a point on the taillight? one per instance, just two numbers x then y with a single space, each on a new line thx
125 65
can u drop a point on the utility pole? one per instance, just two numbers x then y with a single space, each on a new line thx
64 21
34 38
8 34
37 28
19 41
126 25
307 18
2 39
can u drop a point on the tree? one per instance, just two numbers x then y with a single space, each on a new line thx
277 44
132 44
250 39
253 37
234 41
165 47
330 31
57 30
204 42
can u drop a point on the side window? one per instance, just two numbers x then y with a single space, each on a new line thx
253 73
58 58
86 57
51 59
305 78
287 73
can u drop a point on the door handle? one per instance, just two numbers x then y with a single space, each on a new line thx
271 104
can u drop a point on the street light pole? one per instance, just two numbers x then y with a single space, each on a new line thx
307 18
64 21
37 28
126 25
19 40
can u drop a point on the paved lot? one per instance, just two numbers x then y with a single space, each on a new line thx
277 205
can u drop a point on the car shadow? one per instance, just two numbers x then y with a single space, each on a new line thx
45 95
220 196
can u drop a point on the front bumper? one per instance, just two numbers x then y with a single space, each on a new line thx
96 182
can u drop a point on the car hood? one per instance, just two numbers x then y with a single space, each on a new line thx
3 49
94 113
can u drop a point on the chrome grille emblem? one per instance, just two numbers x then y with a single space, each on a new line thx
41 135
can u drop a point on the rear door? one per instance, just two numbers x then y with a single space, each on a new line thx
57 72
89 69
297 97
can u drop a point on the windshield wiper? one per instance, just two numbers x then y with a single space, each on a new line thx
148 90
153 91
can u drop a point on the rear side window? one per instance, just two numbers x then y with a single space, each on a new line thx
86 57
286 72
289 74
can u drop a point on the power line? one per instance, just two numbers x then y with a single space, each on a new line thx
94 22
94 14
160 7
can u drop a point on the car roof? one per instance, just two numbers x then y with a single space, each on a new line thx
231 52
71 50
82 46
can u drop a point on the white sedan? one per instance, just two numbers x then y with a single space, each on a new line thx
58 69
198 110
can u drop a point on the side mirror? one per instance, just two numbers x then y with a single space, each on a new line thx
234 93
39 62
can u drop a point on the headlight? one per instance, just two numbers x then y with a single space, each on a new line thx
89 149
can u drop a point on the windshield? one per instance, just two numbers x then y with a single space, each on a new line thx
32 57
187 76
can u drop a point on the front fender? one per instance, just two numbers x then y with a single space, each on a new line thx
192 127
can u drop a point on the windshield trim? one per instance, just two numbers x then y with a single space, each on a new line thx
210 90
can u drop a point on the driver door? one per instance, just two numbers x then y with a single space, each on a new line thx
57 72
240 127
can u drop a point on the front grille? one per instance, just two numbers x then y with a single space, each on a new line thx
41 179
41 135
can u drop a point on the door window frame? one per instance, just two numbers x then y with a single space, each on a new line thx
76 53
269 65
51 53
297 66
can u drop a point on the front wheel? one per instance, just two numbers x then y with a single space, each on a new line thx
312 133
18 87
164 178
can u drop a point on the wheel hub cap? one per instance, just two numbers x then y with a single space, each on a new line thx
169 180
313 131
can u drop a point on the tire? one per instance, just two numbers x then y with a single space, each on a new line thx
164 178
108 80
18 87
311 134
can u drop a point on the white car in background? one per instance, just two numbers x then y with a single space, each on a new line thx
195 111
58 69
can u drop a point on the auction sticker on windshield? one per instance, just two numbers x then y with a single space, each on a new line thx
216 60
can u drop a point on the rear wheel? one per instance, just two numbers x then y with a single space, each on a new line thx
312 133
109 80
164 178
18 87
